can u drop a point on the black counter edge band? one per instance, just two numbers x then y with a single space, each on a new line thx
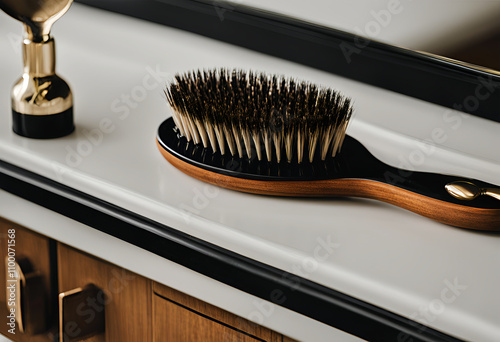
303 296
400 70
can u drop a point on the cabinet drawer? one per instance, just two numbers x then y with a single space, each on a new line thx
181 318
79 291
34 254
175 322
126 299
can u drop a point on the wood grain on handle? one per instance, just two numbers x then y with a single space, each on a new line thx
445 212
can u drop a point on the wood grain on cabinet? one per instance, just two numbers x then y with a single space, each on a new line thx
40 251
127 301
182 318
136 309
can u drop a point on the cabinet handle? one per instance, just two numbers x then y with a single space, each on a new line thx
26 296
81 313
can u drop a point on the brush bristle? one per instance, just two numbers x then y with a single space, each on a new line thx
254 115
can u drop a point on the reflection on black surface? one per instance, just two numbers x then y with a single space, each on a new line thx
353 162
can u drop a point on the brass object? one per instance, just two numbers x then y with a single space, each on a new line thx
42 102
26 297
468 191
81 313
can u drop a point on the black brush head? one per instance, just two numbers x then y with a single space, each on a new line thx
353 161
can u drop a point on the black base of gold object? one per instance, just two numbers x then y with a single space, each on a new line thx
43 126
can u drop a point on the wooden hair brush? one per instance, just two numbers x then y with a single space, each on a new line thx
275 136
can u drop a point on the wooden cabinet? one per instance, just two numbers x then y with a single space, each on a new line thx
132 307
181 318
35 255
126 301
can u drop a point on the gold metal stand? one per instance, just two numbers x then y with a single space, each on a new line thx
42 102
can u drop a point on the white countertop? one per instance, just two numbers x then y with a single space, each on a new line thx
383 255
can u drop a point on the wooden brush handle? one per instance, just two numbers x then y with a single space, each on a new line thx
355 172
427 198
451 212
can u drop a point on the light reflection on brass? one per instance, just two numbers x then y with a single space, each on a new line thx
70 314
39 91
37 15
468 191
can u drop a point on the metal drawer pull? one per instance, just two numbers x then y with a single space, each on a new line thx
80 314
26 296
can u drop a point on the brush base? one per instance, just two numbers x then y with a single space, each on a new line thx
354 172
43 126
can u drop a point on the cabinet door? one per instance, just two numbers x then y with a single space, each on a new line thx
181 318
35 301
126 301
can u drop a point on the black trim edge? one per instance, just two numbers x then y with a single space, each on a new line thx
301 295
460 87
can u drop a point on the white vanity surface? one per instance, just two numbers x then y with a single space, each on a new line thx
382 255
